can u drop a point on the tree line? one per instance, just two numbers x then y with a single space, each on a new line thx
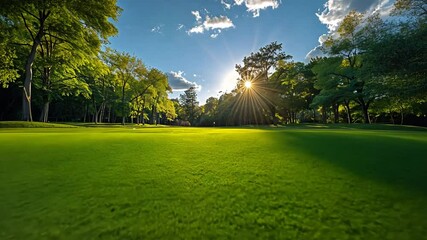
373 70
55 65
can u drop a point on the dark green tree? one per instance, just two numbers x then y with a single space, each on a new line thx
190 105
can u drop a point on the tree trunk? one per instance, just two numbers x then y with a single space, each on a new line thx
95 112
273 115
44 116
153 117
365 107
102 111
142 112
348 111
336 112
324 115
86 109
314 115
26 96
123 104
392 118
366 118
109 114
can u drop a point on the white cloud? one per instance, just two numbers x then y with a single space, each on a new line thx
196 29
179 83
336 10
180 26
212 24
226 5
315 52
221 22
255 6
197 15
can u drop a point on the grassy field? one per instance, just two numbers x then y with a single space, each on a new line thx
311 182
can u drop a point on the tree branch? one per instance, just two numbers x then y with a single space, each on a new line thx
27 27
25 10
22 44
56 37
141 94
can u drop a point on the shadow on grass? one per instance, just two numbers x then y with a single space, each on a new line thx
400 162
356 127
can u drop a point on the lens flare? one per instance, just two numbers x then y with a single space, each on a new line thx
248 84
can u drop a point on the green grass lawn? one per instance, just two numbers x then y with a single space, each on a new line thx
197 183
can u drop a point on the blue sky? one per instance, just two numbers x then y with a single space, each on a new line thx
198 42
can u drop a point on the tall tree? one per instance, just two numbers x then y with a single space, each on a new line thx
295 88
68 21
346 47
257 68
127 69
189 103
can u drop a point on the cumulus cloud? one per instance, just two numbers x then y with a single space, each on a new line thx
196 29
215 24
220 22
336 10
255 6
179 83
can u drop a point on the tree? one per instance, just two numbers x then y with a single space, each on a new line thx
189 103
256 69
101 82
334 88
210 112
60 72
295 89
346 49
126 69
394 57
159 94
68 21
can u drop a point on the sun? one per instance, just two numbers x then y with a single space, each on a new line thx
248 84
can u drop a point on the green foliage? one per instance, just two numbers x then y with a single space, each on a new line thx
8 71
190 105
51 28
296 89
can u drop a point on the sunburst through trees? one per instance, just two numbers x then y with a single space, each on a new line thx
256 93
